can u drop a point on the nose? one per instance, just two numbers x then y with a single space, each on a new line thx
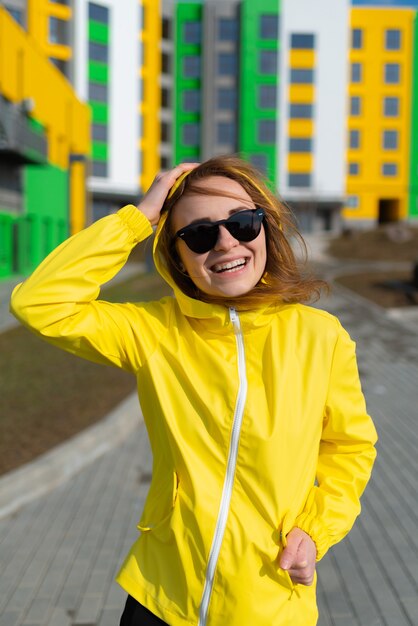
225 240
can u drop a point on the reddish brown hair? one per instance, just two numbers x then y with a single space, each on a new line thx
283 280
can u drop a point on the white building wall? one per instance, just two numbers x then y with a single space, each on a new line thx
329 21
124 63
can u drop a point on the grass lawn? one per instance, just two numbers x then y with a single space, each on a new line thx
49 395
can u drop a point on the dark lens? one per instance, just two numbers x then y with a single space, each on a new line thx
200 237
245 226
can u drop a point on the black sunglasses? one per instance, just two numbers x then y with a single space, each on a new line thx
202 236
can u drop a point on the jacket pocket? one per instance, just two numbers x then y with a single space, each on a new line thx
160 503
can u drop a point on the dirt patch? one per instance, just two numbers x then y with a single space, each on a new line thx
376 286
393 242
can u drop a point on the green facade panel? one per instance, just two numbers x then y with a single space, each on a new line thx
251 79
98 72
98 32
46 223
26 238
185 12
413 195
99 112
99 151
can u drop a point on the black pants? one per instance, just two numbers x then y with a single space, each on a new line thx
137 615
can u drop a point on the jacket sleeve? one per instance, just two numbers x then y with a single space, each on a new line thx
346 454
59 300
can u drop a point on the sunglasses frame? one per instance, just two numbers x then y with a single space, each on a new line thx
180 233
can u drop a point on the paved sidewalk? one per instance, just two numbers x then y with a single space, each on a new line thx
60 553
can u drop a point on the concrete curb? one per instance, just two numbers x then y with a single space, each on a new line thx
40 476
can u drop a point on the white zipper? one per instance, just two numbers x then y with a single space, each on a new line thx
229 474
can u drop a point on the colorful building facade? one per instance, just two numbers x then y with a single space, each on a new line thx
44 148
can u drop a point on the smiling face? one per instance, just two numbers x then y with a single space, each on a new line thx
231 268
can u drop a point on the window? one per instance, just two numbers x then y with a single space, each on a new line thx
354 139
165 131
165 162
393 39
353 202
17 14
355 105
98 92
391 107
356 39
267 62
227 99
302 41
166 28
227 29
191 134
226 133
266 131
353 169
99 132
301 111
300 144
192 32
191 100
165 62
392 73
98 13
59 64
100 169
301 76
356 72
299 180
165 97
269 27
191 66
389 169
259 161
267 96
57 30
227 63
390 139
98 52
143 17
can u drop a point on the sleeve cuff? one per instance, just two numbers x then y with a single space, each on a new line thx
313 527
136 222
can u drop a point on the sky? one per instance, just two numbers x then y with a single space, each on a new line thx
386 3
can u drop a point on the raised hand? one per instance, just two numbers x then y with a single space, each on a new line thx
152 202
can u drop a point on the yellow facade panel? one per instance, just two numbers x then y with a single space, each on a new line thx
57 51
60 11
150 72
373 56
299 162
301 94
300 128
299 59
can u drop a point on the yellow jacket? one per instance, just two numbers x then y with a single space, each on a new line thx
256 420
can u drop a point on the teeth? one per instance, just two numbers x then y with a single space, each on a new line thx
233 265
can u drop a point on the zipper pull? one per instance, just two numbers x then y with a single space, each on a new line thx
233 315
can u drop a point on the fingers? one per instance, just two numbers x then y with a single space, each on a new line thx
153 201
171 176
299 557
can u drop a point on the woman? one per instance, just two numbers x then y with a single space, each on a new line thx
261 441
